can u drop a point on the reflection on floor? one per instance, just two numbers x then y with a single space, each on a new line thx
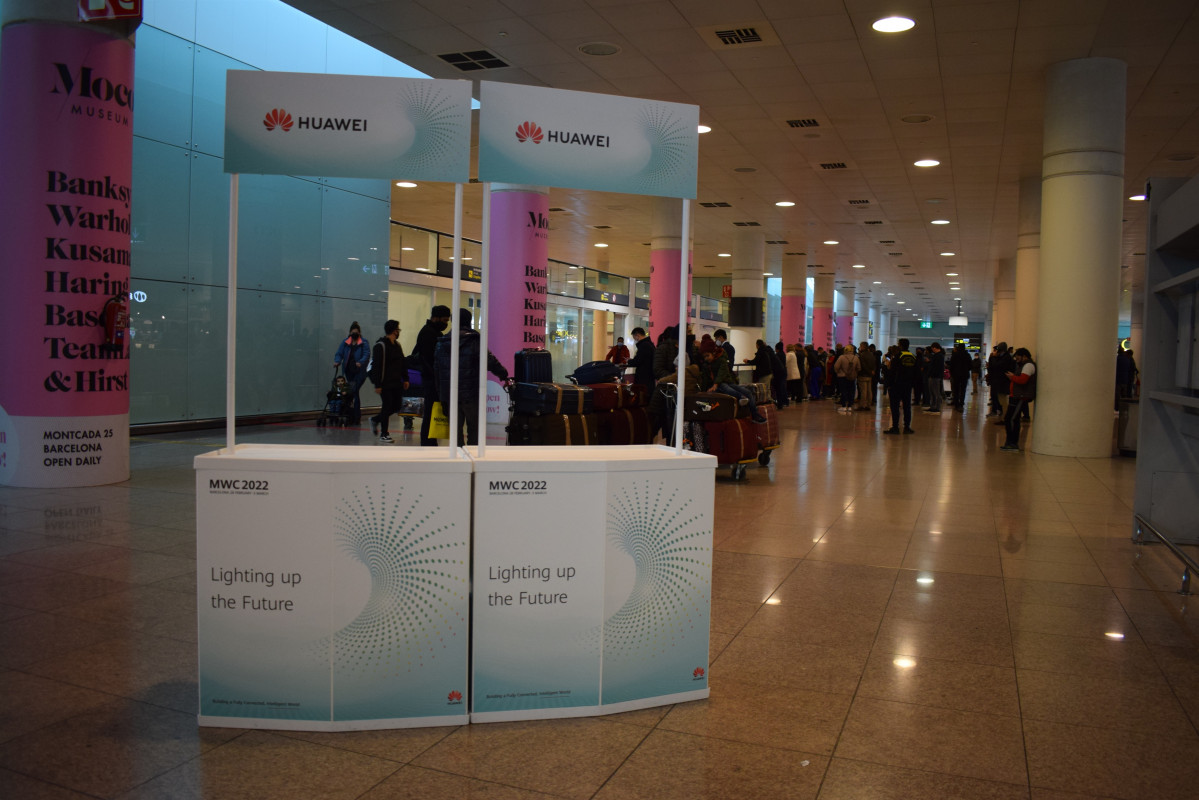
919 617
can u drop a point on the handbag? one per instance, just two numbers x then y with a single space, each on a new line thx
439 422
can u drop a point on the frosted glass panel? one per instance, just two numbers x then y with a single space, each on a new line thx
160 208
278 353
158 352
336 315
380 190
163 87
207 312
208 242
410 306
175 16
208 101
562 339
269 34
279 234
353 256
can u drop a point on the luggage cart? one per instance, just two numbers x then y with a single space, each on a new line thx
692 438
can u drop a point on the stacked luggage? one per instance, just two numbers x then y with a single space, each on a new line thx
602 411
718 424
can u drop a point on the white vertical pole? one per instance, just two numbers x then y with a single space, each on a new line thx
684 296
455 303
231 322
484 308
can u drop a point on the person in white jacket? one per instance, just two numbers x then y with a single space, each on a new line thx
847 366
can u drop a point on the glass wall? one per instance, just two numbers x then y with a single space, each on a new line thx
562 325
311 251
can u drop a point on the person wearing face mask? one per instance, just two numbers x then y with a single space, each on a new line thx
352 357
426 344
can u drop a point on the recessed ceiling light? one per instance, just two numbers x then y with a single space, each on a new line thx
599 49
878 283
890 294
901 302
784 203
406 184
948 253
927 162
407 248
916 119
767 274
904 662
422 269
1137 197
954 283
957 298
600 244
940 222
952 274
1114 635
893 25
831 241
704 129
859 266
724 255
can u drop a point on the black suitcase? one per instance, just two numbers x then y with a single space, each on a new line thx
551 398
533 366
552 429
596 372
705 406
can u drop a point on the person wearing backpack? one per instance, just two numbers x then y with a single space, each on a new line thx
389 374
901 376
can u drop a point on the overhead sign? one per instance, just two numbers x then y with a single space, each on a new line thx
580 140
90 10
347 126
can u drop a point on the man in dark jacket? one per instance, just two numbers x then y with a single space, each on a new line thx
934 373
643 361
901 374
959 375
1000 382
389 374
426 344
468 375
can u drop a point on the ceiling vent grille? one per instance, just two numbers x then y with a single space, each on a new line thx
803 123
859 202
473 60
717 205
602 227
894 254
815 266
873 222
833 165
777 241
748 224
750 33
557 209
795 253
886 241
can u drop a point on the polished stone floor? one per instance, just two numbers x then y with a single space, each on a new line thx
893 617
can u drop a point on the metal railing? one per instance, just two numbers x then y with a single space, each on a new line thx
1188 563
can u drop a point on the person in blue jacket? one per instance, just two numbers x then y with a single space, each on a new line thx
353 356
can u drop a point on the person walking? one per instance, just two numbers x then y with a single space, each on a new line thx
934 372
426 346
1023 391
352 357
866 377
959 375
389 374
901 375
468 375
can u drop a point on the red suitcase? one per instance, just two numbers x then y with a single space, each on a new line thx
732 441
768 435
607 396
640 395
623 426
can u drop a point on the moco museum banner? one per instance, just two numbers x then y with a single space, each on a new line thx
580 140
66 147
347 126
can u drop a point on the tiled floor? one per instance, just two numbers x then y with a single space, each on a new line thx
893 617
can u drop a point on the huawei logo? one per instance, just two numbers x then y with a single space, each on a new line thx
528 130
455 696
698 673
277 118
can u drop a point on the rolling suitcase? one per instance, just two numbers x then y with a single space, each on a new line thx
709 406
768 435
551 398
533 365
553 429
623 426
596 372
732 441
607 396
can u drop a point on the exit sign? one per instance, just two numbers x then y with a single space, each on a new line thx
925 323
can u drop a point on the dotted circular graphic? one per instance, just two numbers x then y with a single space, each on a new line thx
671 548
670 151
436 120
415 561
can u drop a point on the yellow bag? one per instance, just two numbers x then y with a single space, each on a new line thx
439 423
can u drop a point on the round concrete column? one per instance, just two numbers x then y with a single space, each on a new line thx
844 316
876 325
666 248
1081 212
822 312
747 314
861 320
1028 266
1003 324
793 311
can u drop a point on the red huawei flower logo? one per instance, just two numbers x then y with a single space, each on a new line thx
528 130
455 696
277 118
698 673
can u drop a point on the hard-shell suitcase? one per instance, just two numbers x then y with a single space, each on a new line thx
551 398
553 429
768 434
596 372
709 406
623 426
607 396
533 365
732 441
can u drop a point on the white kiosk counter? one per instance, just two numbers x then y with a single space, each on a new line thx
333 587
592 580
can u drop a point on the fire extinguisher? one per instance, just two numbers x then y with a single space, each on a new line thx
116 322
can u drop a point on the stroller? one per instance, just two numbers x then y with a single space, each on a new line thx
338 402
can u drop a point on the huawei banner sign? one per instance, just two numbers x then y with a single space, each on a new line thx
579 140
347 126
